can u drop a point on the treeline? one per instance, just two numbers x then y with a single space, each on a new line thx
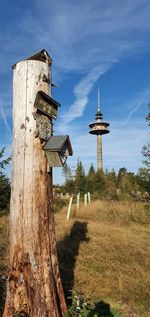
107 184
110 184
101 184
4 182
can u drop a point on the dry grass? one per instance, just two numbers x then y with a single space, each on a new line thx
111 260
103 252
4 239
4 256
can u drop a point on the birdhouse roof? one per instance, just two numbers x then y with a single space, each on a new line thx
57 142
42 56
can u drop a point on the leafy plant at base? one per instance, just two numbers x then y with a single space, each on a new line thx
58 203
3 277
80 307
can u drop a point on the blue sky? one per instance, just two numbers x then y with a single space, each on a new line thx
93 44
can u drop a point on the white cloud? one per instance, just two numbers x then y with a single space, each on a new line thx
82 36
81 92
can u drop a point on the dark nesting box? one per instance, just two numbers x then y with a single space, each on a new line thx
57 149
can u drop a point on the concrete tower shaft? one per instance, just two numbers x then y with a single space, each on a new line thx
99 128
99 153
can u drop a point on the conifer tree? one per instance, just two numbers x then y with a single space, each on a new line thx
66 171
143 176
80 180
91 179
146 147
110 183
100 187
4 182
91 171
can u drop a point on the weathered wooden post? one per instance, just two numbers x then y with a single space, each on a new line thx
34 287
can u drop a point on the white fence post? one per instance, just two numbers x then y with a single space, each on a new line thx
89 197
85 199
78 201
69 207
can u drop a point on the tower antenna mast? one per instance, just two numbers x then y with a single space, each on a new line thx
98 100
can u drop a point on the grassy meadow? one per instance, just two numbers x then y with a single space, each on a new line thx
103 252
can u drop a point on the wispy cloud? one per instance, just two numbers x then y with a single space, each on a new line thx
3 115
81 92
82 36
83 89
140 103
142 99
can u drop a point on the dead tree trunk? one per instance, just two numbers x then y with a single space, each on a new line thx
34 287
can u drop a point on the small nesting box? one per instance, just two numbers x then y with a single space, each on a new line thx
57 149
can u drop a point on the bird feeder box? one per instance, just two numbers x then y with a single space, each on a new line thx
57 149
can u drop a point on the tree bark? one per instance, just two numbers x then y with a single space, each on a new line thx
34 287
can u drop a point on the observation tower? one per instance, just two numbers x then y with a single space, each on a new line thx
99 127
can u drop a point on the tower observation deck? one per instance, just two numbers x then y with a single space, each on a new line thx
99 127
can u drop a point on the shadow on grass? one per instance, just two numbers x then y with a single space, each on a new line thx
101 309
68 250
4 212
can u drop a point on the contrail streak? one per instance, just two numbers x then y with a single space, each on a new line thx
5 120
134 110
82 91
